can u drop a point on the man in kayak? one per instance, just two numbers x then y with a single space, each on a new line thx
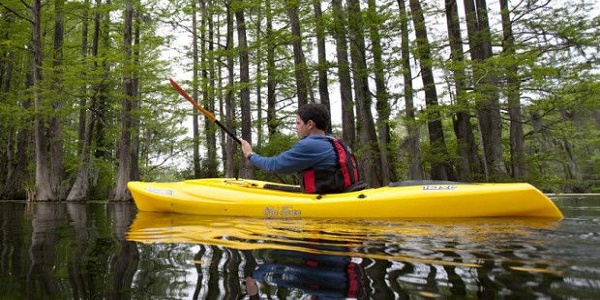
326 165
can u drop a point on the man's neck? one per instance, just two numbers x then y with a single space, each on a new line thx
317 132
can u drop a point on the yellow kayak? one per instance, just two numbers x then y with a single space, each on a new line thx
431 199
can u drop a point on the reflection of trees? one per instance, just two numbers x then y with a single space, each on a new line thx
382 288
73 250
12 242
456 285
445 267
221 272
125 263
78 215
514 272
200 279
42 251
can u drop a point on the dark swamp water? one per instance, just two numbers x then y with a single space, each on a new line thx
108 250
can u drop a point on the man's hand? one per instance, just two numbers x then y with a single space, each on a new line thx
246 148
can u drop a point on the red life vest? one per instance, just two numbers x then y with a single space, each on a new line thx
334 180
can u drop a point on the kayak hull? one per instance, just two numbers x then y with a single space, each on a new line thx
252 198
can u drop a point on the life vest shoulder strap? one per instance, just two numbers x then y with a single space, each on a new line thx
346 162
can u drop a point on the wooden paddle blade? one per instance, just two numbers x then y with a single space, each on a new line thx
185 95
204 111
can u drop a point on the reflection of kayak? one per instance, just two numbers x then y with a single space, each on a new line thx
260 233
252 198
375 239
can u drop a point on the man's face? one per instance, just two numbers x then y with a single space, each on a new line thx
302 128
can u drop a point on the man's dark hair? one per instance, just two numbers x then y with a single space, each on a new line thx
316 112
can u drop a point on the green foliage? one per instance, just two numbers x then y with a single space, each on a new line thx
277 143
102 180
565 144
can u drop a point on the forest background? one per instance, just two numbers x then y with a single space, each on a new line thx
473 90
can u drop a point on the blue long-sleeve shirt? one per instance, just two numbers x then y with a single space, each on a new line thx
313 151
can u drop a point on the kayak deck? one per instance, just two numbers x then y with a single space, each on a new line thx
254 198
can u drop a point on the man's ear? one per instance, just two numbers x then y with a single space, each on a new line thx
311 123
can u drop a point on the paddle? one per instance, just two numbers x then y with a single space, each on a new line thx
208 114
203 110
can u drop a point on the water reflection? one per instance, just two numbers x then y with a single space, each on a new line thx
42 251
59 250
356 259
106 250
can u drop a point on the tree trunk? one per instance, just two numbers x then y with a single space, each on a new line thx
84 90
468 160
81 186
573 174
260 136
484 78
210 129
440 166
513 87
17 156
345 81
246 171
43 188
18 162
55 131
99 100
121 193
195 75
17 153
101 40
272 123
382 95
413 140
229 102
300 68
596 114
135 105
369 152
322 64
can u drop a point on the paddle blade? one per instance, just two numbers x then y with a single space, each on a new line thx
185 95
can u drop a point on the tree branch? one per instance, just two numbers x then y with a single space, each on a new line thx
16 13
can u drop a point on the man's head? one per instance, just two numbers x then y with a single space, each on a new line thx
315 112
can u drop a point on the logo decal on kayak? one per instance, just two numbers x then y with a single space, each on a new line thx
439 187
160 192
281 211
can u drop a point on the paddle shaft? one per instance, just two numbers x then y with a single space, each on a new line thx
209 115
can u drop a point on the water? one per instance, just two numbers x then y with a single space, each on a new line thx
108 250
